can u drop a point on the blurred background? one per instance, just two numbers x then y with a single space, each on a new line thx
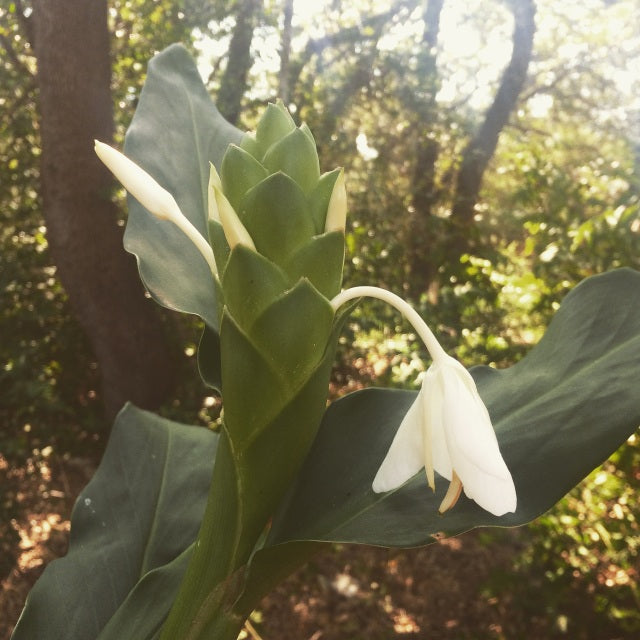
492 157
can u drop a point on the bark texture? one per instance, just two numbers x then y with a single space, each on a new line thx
72 48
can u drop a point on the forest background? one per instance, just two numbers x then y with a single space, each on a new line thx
492 156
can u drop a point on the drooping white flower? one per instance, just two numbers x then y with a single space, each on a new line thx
152 196
447 428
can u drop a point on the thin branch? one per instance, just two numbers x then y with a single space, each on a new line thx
316 46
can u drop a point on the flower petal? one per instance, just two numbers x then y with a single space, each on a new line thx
473 445
433 410
405 456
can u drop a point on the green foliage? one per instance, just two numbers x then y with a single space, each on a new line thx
581 556
170 265
558 412
572 395
559 202
131 525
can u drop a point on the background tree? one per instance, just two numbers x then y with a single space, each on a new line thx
71 43
397 91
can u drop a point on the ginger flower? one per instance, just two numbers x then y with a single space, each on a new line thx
447 429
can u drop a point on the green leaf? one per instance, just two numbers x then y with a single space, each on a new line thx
296 156
218 241
277 217
276 122
142 614
247 373
294 331
321 261
272 361
251 283
250 477
240 172
209 358
175 102
558 413
129 530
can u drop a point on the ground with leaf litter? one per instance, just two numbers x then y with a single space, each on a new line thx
347 593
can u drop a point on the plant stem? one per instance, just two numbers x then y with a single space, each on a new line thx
426 335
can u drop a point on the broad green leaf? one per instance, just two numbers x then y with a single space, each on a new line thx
175 132
558 413
142 614
129 527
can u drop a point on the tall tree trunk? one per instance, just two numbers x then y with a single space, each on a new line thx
234 80
424 194
482 146
72 50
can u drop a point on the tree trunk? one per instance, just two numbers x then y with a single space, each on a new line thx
234 81
424 194
481 148
125 330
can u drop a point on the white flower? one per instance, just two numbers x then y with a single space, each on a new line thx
448 429
152 196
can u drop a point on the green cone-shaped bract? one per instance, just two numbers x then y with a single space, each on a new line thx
278 269
273 183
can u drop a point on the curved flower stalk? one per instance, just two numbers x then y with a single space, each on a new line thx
447 428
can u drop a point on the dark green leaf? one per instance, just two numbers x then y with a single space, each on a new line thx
141 615
193 133
138 514
558 413
209 358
